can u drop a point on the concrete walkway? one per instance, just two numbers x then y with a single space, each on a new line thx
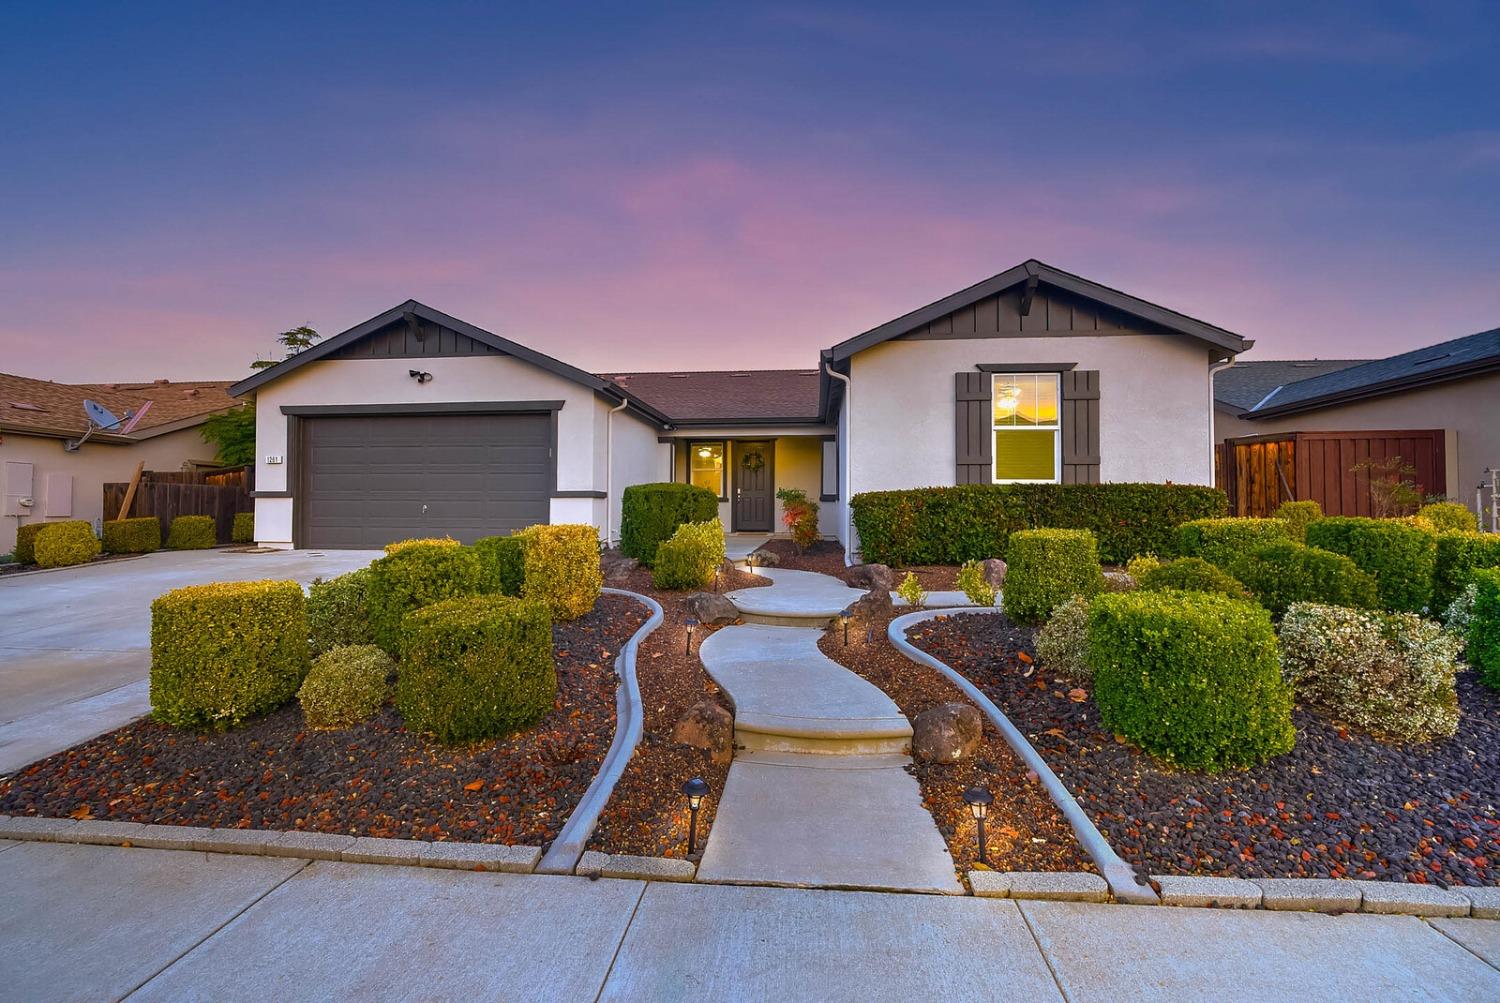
93 922
795 594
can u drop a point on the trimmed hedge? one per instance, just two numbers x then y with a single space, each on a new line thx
504 560
1283 573
426 541
132 536
1483 642
1193 574
1047 567
244 528
226 652
651 513
417 576
1400 556
691 557
25 552
1299 515
338 611
1456 558
1220 541
192 532
64 544
950 525
1190 677
346 685
561 569
476 667
1449 517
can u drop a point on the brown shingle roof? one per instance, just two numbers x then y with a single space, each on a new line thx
57 408
769 395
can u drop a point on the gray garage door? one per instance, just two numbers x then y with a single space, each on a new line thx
371 479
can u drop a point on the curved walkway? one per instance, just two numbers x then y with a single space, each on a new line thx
795 595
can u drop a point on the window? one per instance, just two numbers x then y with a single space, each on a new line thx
706 466
830 486
1028 434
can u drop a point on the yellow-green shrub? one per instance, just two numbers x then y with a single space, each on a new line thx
689 559
346 685
338 611
132 536
1449 517
25 552
974 585
504 560
561 569
192 532
1141 565
63 544
1047 567
1193 574
244 528
1298 514
1219 541
429 541
1401 556
416 576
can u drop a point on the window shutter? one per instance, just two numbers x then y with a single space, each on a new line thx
1080 426
973 437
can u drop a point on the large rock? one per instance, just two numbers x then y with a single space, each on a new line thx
765 558
712 609
994 572
946 733
616 567
871 576
708 726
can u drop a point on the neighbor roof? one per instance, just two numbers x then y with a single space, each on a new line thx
46 408
728 396
1448 360
1245 384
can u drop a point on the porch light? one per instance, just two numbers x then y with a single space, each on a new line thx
979 800
690 623
705 452
845 615
695 790
1007 400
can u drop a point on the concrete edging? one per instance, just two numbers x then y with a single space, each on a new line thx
567 849
621 865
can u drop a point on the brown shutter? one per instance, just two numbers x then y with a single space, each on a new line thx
1080 426
973 435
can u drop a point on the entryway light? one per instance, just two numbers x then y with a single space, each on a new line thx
845 615
979 800
695 790
690 623
418 375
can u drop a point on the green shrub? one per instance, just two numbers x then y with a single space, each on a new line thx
346 685
1400 556
1190 677
1298 515
1391 674
1193 574
244 528
132 536
561 568
338 611
799 514
426 541
689 559
225 652
951 525
1062 645
476 667
1141 565
975 585
651 513
1483 642
1283 573
414 577
192 532
504 561
1449 517
911 591
1456 558
64 544
1219 541
1046 568
25 552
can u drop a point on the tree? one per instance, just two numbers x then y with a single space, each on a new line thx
1392 490
232 434
294 340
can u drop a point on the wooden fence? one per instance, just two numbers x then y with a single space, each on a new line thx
1259 472
168 494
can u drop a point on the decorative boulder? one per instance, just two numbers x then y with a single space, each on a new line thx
946 733
1118 581
616 566
871 576
712 609
707 726
766 558
994 571
875 604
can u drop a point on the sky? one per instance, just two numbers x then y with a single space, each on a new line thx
696 186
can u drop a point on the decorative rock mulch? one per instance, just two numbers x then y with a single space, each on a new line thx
1340 805
375 779
827 557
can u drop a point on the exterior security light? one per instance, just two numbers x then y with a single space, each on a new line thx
979 800
695 790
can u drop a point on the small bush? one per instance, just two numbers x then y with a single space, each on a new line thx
192 532
1390 674
800 516
1458 616
132 536
1141 565
25 552
911 591
561 568
417 576
1449 517
974 585
1193 574
346 685
504 561
1046 568
1190 677
1483 642
1062 645
1280 574
338 611
476 667
226 652
64 544
244 528
1400 557
1298 515
1456 558
1219 541
689 559
651 513
427 541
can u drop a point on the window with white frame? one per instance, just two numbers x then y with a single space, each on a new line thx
706 466
1028 430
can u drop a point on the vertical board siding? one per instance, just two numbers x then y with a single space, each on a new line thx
399 341
1320 466
1053 311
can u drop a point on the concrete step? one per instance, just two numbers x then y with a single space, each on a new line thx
804 595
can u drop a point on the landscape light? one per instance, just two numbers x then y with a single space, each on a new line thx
845 615
979 800
695 790
690 623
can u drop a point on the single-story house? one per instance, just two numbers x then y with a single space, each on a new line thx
47 473
418 423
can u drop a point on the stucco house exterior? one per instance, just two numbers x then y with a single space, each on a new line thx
418 423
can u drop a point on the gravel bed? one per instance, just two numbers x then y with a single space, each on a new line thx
1340 805
375 779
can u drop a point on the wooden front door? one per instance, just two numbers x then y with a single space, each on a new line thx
754 496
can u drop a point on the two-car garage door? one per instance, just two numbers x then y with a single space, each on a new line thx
367 480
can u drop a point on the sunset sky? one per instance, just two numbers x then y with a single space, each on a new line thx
697 185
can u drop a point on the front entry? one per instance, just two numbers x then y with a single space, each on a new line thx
754 496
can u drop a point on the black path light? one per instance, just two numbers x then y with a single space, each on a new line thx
845 615
979 800
690 623
696 790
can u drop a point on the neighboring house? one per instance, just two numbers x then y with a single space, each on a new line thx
1245 384
46 475
417 423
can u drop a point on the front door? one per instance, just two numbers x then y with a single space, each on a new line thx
754 498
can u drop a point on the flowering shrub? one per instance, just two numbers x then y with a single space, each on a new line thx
799 514
974 585
1062 646
1459 614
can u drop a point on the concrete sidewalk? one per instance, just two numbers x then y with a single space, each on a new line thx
92 922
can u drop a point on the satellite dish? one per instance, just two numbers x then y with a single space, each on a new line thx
99 415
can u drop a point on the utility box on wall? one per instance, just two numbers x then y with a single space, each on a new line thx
17 490
59 503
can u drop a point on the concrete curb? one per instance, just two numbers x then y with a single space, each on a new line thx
619 865
1119 875
1054 886
110 559
566 850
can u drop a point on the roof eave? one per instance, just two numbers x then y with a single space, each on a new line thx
1381 389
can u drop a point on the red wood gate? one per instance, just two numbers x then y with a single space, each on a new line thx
1259 472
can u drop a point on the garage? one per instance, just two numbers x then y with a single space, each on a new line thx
369 479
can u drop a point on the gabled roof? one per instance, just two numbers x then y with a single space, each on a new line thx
1245 384
1048 275
42 407
768 396
1448 360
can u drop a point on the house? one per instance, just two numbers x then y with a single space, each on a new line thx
47 473
418 423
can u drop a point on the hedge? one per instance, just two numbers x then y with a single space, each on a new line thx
426 541
192 532
132 536
1219 541
1449 517
1190 677
1299 515
226 652
25 552
338 611
1047 567
1193 574
651 513
346 685
1456 557
1401 557
64 544
476 667
1283 573
561 569
691 557
244 528
417 576
950 525
504 562
1483 641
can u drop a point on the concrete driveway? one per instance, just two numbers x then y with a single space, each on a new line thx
75 643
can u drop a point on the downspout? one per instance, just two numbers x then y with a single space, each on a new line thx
844 453
609 472
1213 432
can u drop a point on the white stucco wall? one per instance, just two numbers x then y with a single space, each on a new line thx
638 459
797 463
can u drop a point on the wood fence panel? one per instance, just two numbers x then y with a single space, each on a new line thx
170 494
1321 466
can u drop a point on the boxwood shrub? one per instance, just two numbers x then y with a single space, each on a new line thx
1047 567
192 532
226 652
1449 517
561 569
1283 573
25 552
1190 677
64 544
426 541
346 685
651 513
1483 641
1193 574
1400 556
338 611
950 525
1219 541
504 561
244 528
476 667
1298 515
689 559
417 576
132 536
1456 557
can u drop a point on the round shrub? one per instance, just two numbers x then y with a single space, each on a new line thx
1456 557
338 611
132 536
417 576
974 585
1298 515
1280 574
1193 574
345 686
1449 517
504 562
689 559
64 544
25 552
1390 674
476 667
651 513
192 532
1400 557
1483 642
429 541
1191 677
244 528
1219 541
1141 564
561 568
225 652
1047 567
1062 645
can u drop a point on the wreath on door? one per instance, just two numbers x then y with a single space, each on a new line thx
753 461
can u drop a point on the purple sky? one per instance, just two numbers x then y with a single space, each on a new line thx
700 186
